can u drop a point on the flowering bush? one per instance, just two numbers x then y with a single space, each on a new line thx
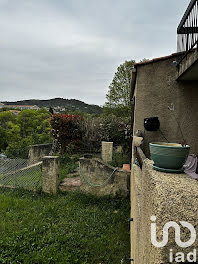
67 130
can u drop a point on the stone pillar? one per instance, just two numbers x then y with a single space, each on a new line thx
50 174
107 151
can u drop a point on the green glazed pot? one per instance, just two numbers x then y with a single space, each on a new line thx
169 155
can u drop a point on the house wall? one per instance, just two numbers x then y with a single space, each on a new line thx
156 88
169 197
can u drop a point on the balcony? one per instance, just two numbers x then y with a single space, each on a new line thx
187 43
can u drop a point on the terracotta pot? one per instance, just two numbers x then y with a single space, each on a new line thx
126 167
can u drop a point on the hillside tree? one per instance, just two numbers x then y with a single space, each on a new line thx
118 95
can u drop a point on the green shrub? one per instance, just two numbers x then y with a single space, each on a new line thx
119 159
17 133
77 134
106 128
19 149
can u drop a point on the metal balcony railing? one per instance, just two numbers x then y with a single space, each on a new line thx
187 30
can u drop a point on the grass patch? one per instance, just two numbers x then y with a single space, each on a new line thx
68 164
68 228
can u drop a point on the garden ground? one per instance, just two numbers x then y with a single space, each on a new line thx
67 228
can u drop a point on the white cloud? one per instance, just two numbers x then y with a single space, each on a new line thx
72 48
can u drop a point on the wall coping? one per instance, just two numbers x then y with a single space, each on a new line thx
38 145
140 155
105 164
50 157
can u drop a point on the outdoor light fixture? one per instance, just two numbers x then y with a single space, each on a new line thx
151 123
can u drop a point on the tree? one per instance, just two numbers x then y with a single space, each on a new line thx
118 95
35 124
17 133
144 60
6 119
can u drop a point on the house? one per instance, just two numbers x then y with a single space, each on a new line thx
156 88
170 82
22 107
15 112
1 105
167 88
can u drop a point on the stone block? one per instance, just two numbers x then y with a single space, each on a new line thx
50 174
107 151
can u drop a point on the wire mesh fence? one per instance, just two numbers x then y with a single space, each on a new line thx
18 173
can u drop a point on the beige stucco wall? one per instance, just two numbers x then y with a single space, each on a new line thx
170 197
156 88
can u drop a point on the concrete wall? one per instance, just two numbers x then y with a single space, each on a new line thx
188 68
97 172
156 88
170 197
37 152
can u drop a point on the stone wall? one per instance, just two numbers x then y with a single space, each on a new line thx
156 86
96 172
169 197
37 152
50 174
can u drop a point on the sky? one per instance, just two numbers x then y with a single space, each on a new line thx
72 48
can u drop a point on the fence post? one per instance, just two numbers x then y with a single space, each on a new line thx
50 174
107 151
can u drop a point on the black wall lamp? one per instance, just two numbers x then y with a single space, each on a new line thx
151 123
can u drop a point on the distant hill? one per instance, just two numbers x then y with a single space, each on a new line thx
61 103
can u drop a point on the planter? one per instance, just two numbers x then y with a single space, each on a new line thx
126 167
169 156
